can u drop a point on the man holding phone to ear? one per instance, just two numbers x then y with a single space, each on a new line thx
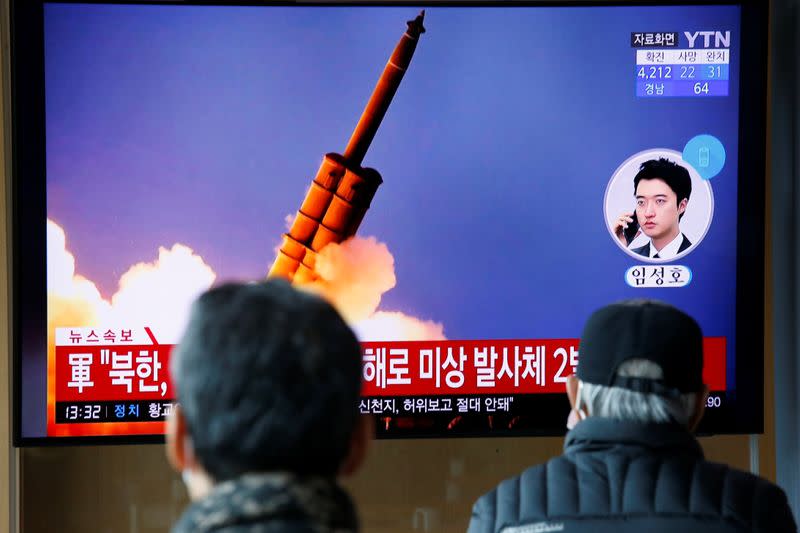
662 190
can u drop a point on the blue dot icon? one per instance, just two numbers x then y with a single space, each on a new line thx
706 154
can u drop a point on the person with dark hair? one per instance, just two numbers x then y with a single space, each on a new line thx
662 189
268 380
630 461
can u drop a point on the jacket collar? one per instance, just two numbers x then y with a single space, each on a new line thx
599 434
270 498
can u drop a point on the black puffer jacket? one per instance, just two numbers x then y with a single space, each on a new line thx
621 477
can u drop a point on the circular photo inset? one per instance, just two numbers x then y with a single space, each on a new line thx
657 207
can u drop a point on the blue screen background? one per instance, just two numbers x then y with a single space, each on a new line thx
205 125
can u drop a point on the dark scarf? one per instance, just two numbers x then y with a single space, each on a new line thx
271 502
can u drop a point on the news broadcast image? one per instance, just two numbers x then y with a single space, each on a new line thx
182 142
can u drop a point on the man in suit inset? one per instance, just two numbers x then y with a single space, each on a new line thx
662 189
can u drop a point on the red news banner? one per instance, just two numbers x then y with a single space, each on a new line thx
108 378
427 368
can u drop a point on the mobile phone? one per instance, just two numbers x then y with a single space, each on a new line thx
632 229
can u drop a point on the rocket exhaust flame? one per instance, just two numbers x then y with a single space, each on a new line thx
353 276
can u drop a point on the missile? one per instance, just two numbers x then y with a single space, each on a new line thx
342 190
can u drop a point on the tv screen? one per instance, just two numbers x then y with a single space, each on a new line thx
466 183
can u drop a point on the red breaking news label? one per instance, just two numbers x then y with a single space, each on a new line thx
138 369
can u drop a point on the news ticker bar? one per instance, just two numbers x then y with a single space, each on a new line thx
149 411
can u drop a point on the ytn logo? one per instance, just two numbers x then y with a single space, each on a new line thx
721 39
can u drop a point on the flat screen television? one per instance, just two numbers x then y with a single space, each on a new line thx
455 177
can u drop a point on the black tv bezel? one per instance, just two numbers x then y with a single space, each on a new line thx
28 215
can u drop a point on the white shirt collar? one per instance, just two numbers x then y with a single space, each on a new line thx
670 250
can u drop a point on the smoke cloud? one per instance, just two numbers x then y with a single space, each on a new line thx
156 294
72 300
353 275
397 326
161 292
